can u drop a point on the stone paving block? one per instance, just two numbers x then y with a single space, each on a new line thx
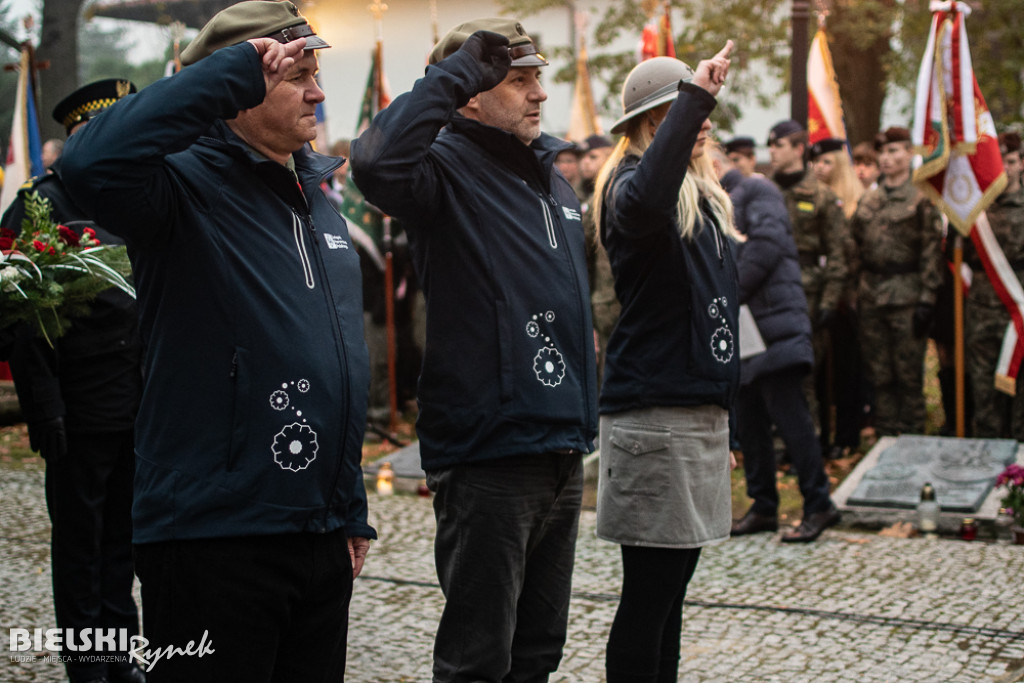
851 607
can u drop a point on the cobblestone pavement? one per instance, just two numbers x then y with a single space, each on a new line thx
851 608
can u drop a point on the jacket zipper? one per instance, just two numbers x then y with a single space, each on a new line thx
549 222
300 245
343 360
581 300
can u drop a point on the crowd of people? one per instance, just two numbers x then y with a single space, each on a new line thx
575 294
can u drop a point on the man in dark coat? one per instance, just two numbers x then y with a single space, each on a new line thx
79 398
770 381
250 516
507 395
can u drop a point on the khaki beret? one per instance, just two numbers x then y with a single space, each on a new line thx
783 129
251 19
891 134
520 46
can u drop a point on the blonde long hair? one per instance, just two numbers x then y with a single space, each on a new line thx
844 182
700 181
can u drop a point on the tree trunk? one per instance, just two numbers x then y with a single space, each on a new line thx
58 44
859 55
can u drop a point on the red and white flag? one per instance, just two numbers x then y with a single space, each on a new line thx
656 39
824 107
958 163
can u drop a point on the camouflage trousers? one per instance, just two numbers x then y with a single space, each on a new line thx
996 415
894 358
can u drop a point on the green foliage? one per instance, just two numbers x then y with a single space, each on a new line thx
702 32
995 30
104 54
875 44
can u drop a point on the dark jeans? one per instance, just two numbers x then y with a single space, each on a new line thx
643 646
779 398
89 499
272 608
504 550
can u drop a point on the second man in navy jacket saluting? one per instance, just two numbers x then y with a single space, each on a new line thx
507 392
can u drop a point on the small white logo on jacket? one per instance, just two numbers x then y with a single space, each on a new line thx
571 214
335 241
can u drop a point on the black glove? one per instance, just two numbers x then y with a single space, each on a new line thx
490 50
922 319
49 438
826 318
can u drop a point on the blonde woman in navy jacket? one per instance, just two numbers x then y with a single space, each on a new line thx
672 368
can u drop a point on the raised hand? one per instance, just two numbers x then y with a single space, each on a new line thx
711 73
277 58
490 50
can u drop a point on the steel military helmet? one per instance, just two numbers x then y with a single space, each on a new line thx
651 83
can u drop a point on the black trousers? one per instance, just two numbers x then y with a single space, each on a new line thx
89 500
779 399
504 550
643 645
256 608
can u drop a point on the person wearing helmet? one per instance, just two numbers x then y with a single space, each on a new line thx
673 364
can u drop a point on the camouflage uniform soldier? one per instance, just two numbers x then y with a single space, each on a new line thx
897 257
985 316
819 230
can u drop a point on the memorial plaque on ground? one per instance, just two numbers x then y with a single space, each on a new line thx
963 471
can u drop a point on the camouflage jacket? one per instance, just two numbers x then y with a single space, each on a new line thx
1006 216
896 252
819 230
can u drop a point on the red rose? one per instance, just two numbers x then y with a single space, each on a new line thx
67 235
6 243
40 246
91 235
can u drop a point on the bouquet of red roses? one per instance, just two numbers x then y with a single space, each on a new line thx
49 273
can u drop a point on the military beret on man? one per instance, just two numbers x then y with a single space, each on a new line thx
891 134
251 19
90 100
594 142
783 129
1009 142
825 146
741 144
520 45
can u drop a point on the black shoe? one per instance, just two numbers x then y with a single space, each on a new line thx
752 523
812 526
132 674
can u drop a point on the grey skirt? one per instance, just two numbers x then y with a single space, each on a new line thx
664 478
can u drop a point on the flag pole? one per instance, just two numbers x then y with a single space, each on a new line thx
377 9
958 330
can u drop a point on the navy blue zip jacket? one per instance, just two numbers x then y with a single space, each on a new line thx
676 340
250 300
770 277
497 242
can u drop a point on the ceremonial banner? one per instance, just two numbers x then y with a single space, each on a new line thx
959 165
24 153
961 169
824 107
583 121
375 98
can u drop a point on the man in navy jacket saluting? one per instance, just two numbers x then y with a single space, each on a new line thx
507 392
250 512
